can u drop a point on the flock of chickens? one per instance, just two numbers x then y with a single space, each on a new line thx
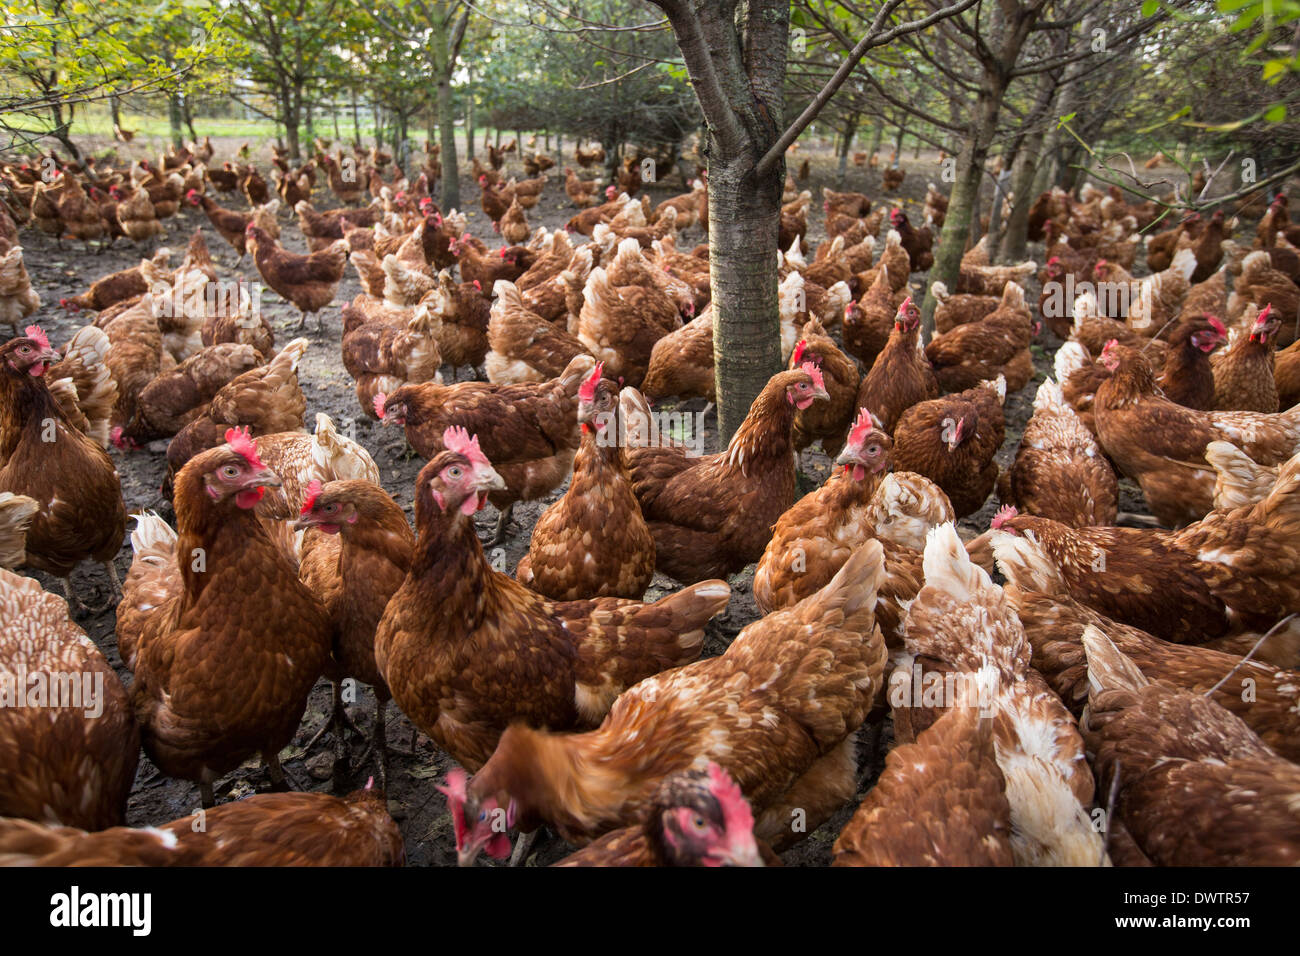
1129 693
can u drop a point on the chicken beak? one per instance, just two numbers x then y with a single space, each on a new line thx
50 356
489 480
263 478
849 456
819 391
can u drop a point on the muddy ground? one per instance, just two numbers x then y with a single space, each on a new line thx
419 809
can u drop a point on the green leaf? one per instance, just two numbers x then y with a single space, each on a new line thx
1276 114
1150 8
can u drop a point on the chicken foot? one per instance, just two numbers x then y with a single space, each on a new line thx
503 525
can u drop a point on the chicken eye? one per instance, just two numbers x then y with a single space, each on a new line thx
699 823
454 472
229 471
873 449
24 348
331 508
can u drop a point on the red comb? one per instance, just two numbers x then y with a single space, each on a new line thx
313 492
457 439
1005 513
861 426
35 333
815 373
587 390
240 441
478 285
380 401
1109 346
907 304
1219 327
798 352
1259 319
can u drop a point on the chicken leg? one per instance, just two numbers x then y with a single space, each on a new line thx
503 524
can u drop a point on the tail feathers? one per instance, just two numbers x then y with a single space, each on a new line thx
1184 263
1050 398
634 412
1239 479
948 566
1108 667
854 587
691 608
84 365
16 514
337 457
1070 357
152 537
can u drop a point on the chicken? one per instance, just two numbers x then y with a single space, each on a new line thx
582 193
514 224
530 428
992 280
697 818
382 357
343 178
464 315
778 711
17 297
268 829
1243 373
43 456
1195 785
868 323
1186 376
468 651
1130 574
815 536
952 441
845 203
238 323
593 542
1161 445
681 363
916 242
1286 375
356 563
323 229
176 397
892 178
230 225
901 375
116 287
711 515
254 188
620 326
309 282
996 345
298 459
1059 471
826 422
68 741
954 310
225 642
476 265
1260 693
266 399
940 801
963 629
523 346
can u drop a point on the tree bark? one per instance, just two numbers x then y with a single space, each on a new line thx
736 60
174 119
846 145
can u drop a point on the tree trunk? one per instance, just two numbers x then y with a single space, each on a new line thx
446 107
964 202
1014 241
877 134
1014 244
846 145
174 119
356 121
744 221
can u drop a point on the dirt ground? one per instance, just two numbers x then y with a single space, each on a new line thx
413 801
